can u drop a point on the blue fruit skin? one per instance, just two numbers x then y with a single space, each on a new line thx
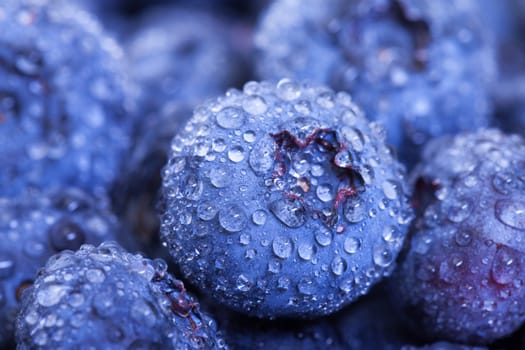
34 227
105 297
283 201
405 62
63 99
461 278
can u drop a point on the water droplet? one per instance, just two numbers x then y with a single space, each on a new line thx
505 266
95 275
230 118
324 193
243 283
51 294
425 271
323 237
338 266
7 265
390 189
306 251
382 255
192 187
244 238
220 177
236 154
206 210
463 238
262 156
218 145
290 212
351 245
452 269
354 209
506 183
274 266
457 209
65 234
282 247
232 218
283 283
254 104
259 217
288 90
249 136
511 213
306 286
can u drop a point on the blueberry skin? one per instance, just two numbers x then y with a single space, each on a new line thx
63 99
461 278
105 297
283 200
420 67
36 226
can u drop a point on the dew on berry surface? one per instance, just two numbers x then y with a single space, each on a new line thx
511 213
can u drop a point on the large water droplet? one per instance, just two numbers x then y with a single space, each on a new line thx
51 294
230 118
505 266
354 209
457 209
282 247
306 251
463 237
206 210
262 156
259 217
324 193
232 218
288 90
382 255
236 154
390 189
290 212
220 177
338 266
323 236
243 283
351 245
511 213
95 275
254 104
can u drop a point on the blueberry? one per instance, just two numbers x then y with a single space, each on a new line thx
34 227
104 297
461 278
62 99
182 54
283 200
420 67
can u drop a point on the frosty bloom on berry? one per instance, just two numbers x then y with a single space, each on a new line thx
283 200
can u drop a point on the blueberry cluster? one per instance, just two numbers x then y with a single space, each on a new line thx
267 174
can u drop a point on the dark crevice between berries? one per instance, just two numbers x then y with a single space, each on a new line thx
350 180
